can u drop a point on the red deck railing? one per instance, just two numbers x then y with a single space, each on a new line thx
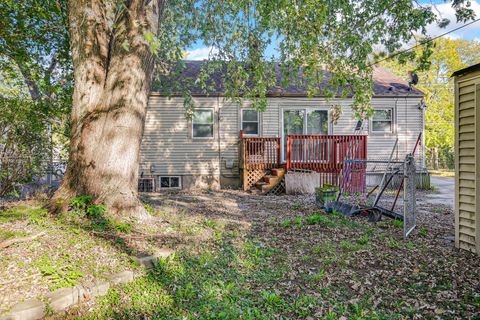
326 154
261 153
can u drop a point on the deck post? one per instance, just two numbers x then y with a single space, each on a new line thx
289 141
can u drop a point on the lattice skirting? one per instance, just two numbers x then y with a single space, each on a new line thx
278 189
250 177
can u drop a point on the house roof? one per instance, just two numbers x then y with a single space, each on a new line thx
384 83
471 68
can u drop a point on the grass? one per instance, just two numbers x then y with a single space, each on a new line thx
333 220
86 243
234 280
209 285
63 255
296 263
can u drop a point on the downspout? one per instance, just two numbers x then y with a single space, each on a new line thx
221 174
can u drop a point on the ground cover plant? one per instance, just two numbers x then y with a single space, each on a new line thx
282 258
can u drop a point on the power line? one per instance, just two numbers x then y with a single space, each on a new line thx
423 42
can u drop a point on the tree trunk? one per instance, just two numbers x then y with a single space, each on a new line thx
435 158
113 67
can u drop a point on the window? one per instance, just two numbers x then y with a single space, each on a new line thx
250 122
202 123
382 121
170 183
304 121
146 185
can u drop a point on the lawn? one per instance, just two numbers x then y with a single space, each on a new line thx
241 256
281 258
79 246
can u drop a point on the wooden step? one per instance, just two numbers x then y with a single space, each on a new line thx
264 189
279 172
271 179
260 184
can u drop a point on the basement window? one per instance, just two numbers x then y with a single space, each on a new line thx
170 182
382 121
146 185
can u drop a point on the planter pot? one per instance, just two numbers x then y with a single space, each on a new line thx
325 196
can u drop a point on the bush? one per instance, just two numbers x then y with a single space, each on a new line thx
24 143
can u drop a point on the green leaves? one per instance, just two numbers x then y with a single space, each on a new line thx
310 41
434 67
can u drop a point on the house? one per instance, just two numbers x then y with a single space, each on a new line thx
467 158
204 152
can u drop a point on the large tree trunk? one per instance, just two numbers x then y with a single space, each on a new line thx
113 67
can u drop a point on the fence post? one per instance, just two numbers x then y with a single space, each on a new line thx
278 146
409 197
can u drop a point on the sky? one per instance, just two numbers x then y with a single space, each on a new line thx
471 32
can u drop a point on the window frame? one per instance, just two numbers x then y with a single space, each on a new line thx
306 109
392 121
258 122
212 110
169 182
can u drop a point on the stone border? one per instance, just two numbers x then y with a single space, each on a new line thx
62 299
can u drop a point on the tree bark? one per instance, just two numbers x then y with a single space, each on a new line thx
112 85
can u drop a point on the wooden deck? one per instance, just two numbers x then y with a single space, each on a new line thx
325 154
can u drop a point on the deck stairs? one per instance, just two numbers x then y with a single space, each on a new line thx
270 181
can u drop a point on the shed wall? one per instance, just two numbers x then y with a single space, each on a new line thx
467 138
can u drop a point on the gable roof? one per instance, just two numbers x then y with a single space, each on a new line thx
471 68
385 84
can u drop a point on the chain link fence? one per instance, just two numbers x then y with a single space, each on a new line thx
17 183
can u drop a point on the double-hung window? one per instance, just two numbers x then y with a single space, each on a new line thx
250 122
202 123
382 121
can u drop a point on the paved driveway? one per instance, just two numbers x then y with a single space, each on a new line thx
445 191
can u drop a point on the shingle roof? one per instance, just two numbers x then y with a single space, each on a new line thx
384 83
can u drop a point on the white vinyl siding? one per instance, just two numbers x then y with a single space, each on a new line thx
168 145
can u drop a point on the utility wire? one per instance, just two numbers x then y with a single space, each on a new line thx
423 42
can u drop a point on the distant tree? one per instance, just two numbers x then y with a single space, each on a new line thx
35 88
448 56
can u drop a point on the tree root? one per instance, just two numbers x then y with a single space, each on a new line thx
128 236
18 280
9 242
